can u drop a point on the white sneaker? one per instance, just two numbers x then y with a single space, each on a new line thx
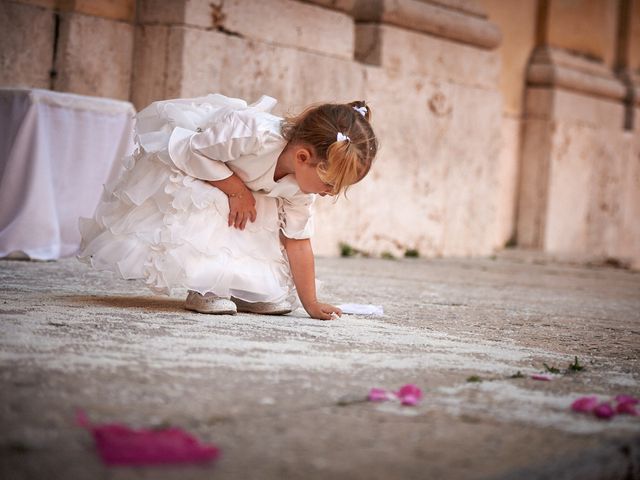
209 303
263 308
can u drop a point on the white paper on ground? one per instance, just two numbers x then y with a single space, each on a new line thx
361 309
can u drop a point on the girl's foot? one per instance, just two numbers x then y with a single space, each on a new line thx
209 303
263 308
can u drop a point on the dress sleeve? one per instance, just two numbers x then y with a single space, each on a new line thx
297 216
203 154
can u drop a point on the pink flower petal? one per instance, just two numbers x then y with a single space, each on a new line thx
544 378
604 411
379 395
627 399
120 445
585 404
627 408
410 400
409 394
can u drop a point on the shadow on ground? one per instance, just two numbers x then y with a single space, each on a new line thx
153 304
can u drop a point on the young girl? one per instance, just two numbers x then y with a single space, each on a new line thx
218 199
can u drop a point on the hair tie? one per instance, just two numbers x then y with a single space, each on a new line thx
341 137
361 110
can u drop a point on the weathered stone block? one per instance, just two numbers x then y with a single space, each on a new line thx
291 23
447 19
404 52
281 22
26 49
149 74
585 191
570 106
578 178
164 12
94 56
281 72
598 112
568 204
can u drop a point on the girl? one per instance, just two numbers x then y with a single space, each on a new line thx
218 199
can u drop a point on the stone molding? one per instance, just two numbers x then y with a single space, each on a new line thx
465 6
26 49
303 25
341 5
80 60
406 52
553 67
471 7
632 81
452 22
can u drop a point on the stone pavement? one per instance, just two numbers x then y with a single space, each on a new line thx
282 396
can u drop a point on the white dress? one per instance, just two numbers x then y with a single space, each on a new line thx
157 220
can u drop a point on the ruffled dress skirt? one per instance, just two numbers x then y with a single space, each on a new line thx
156 223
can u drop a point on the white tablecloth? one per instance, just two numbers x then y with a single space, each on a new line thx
56 151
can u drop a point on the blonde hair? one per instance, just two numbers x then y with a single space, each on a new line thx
341 162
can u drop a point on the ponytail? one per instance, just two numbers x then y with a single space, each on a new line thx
343 166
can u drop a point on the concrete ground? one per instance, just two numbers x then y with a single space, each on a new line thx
283 397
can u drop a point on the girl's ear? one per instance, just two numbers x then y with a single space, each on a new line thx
303 155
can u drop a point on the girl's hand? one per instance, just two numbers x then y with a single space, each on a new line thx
242 208
323 311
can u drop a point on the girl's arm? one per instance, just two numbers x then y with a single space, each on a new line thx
242 204
304 276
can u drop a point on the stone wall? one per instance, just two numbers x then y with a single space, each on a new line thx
579 181
26 49
480 145
78 46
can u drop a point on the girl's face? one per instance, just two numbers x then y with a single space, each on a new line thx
306 173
